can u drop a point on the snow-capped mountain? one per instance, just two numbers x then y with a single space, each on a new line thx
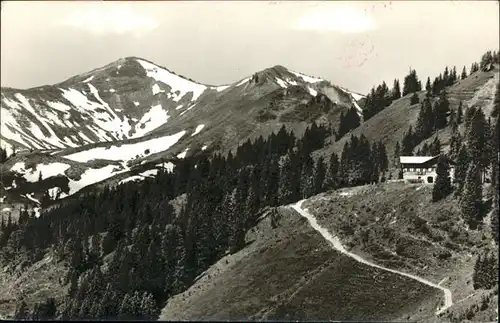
125 99
131 117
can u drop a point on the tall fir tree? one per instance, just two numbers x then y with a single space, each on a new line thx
435 147
396 90
319 175
428 86
471 197
460 113
442 187
331 180
397 154
477 137
455 142
441 111
414 99
464 73
408 143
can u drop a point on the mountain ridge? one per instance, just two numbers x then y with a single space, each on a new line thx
132 106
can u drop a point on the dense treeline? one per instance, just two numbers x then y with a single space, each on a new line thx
381 97
128 248
474 151
348 122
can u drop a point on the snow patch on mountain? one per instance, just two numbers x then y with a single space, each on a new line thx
183 154
156 89
151 120
58 106
147 174
312 91
356 96
134 178
306 78
189 108
168 166
281 83
221 88
175 82
198 129
204 147
47 170
128 151
30 197
88 79
114 123
245 80
92 176
24 104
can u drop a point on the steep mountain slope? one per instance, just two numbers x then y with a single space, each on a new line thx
131 115
128 99
390 125
288 271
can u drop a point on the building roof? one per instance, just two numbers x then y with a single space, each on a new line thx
415 159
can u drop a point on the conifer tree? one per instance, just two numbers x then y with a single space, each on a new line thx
464 73
455 142
470 202
428 86
408 143
453 77
426 151
425 121
411 83
485 274
284 191
397 154
477 137
460 113
446 76
414 99
435 147
396 91
331 179
442 187
441 110
383 160
307 181
462 164
319 175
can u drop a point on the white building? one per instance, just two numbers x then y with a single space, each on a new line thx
421 169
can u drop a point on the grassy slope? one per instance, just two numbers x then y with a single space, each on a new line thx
31 284
390 125
397 226
290 272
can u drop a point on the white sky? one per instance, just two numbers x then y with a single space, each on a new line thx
353 44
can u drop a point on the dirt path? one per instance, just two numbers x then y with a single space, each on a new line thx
448 301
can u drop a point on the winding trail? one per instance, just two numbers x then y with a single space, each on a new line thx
448 301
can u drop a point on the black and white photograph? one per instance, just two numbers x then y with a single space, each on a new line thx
251 161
